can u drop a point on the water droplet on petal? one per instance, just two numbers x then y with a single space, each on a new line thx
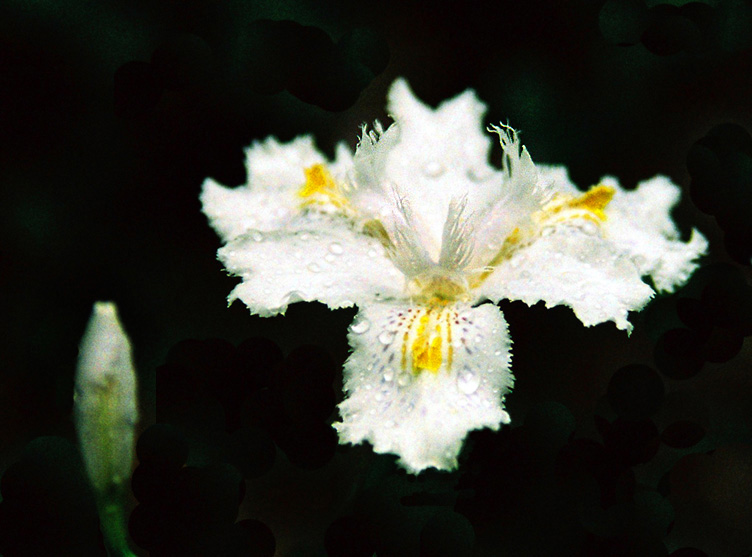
477 174
335 248
372 252
404 379
257 236
379 397
388 374
433 169
468 381
386 337
361 326
314 267
304 236
497 353
589 228
329 257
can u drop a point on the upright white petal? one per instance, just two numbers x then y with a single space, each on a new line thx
429 157
276 172
105 399
316 258
423 415
640 223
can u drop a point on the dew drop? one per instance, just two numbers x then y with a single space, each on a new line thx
314 267
336 248
388 374
372 252
589 228
497 353
467 381
477 175
329 258
379 397
433 169
361 326
257 236
386 337
404 379
304 236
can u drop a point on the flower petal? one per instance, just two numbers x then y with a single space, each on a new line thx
639 222
423 415
430 157
571 264
315 258
276 171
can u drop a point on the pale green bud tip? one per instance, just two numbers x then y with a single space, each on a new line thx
106 409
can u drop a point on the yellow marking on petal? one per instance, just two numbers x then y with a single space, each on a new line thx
595 200
508 247
450 348
590 206
405 338
320 188
423 340
426 347
375 229
437 290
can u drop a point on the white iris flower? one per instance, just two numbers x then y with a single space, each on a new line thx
417 229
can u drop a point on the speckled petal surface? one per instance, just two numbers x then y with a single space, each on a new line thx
424 416
315 258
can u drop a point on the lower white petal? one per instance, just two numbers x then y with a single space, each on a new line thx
423 415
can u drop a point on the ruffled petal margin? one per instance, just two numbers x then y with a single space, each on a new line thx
596 268
268 201
423 416
571 264
315 258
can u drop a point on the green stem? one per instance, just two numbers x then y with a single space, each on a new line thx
114 530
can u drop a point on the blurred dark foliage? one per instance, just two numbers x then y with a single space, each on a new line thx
47 506
112 115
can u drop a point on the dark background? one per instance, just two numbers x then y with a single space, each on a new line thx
113 113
